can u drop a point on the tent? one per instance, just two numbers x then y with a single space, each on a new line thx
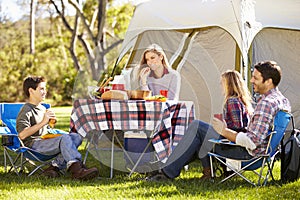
203 38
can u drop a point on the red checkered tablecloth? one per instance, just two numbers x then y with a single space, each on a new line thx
168 120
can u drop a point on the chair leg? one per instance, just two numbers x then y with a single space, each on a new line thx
236 172
211 167
12 162
112 154
270 166
5 164
36 169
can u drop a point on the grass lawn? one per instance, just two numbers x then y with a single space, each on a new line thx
187 186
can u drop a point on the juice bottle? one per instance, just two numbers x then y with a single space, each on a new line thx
52 122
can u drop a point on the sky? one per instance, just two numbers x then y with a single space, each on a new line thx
11 9
14 12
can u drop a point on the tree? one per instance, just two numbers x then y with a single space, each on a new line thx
32 26
54 45
3 14
89 29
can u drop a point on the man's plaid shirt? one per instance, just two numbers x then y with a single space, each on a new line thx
262 120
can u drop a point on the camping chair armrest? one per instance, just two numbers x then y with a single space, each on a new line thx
223 141
263 155
270 133
4 130
21 142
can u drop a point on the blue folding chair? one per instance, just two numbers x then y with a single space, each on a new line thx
268 158
14 150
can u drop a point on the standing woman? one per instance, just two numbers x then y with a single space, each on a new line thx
155 73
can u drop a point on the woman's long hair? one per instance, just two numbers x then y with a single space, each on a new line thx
155 48
235 86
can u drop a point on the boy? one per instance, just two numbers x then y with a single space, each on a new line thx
32 122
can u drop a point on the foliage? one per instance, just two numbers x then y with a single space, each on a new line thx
16 62
118 18
52 57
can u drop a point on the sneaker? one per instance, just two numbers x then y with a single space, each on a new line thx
51 172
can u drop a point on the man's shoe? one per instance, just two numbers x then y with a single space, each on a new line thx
51 172
206 174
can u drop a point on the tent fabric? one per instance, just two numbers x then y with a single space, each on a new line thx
204 38
282 45
189 14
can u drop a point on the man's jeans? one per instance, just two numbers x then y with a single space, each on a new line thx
66 145
193 145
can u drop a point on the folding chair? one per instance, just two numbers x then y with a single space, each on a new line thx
238 166
14 150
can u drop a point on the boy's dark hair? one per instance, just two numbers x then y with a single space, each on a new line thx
269 69
32 82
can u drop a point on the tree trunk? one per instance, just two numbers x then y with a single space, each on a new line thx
93 42
32 26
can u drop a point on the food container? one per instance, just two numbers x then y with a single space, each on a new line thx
138 94
118 87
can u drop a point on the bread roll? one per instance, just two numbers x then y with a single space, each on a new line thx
115 94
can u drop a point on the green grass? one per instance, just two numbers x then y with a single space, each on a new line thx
187 186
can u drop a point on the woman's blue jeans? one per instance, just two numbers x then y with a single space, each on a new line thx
193 145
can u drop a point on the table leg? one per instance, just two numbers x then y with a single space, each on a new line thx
139 159
112 154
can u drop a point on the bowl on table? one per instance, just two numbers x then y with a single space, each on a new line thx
138 94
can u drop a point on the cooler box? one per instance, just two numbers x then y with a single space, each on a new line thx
134 144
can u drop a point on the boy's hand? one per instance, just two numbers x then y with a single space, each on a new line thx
48 115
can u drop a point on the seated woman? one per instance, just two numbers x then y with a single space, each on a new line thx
237 101
236 111
155 73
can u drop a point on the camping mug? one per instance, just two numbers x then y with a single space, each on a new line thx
164 93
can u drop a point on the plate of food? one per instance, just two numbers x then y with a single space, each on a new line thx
159 98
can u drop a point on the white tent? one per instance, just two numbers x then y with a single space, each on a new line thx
203 38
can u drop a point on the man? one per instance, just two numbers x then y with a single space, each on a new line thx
265 79
32 122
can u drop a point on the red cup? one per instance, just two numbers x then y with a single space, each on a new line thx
118 87
164 93
219 116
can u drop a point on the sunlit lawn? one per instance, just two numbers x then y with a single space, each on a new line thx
187 186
